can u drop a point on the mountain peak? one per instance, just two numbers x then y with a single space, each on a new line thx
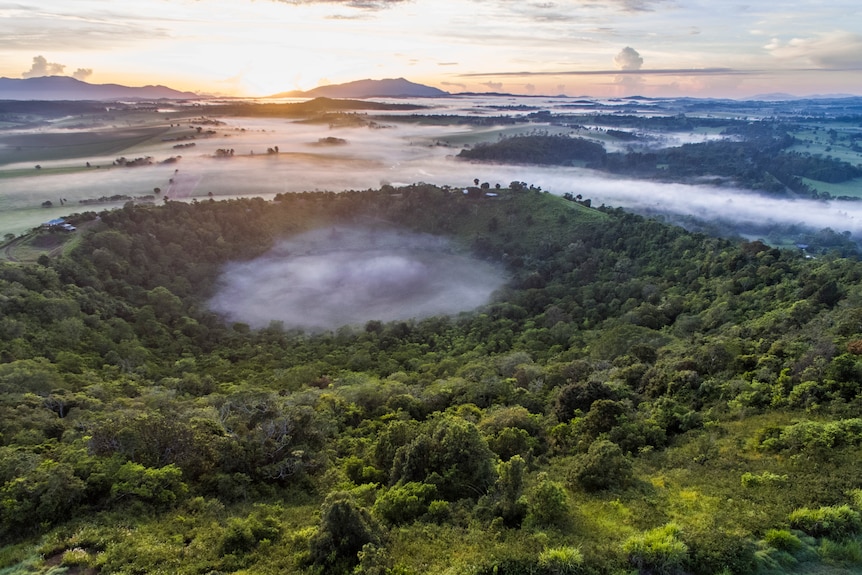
386 88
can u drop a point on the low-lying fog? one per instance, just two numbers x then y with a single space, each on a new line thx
328 278
400 153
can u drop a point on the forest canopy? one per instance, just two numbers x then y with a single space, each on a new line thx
634 397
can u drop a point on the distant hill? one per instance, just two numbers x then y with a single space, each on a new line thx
781 96
66 88
388 88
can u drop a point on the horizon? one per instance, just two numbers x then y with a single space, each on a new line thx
649 48
300 94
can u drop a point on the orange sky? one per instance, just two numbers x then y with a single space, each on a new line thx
582 47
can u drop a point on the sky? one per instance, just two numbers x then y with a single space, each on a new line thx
609 48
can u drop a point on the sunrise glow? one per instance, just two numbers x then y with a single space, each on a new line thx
616 48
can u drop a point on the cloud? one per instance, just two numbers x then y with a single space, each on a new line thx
82 73
655 71
458 85
495 86
41 67
327 278
629 59
637 5
361 4
834 50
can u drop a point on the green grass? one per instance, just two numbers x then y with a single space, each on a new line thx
58 146
852 188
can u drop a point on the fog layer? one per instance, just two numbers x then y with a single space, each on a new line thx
329 278
402 153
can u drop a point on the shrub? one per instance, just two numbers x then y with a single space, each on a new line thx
404 503
716 550
842 553
783 540
244 534
837 522
561 560
344 529
439 511
766 478
658 551
603 467
547 503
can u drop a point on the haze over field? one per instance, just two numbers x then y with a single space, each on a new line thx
399 153
576 47
328 278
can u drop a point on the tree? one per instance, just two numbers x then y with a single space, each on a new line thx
450 454
603 467
345 528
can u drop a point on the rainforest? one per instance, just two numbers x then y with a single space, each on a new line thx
602 392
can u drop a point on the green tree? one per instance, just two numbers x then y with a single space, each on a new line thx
604 466
345 528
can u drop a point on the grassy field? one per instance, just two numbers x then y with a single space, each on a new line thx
851 188
818 140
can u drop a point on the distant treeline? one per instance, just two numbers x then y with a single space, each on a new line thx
757 160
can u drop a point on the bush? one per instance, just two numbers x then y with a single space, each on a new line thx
717 550
561 560
404 503
750 480
783 540
841 553
657 551
834 522
603 467
547 503
244 534
344 529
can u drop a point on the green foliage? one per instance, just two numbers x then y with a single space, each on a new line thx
561 560
604 466
783 540
449 453
43 495
345 528
547 503
508 503
816 436
659 550
138 431
844 553
766 479
243 535
836 522
537 150
160 488
404 503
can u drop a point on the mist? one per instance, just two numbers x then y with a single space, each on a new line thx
398 153
328 278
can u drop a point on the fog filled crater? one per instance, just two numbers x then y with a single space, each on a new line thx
329 278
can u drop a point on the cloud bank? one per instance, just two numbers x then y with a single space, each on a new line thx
325 279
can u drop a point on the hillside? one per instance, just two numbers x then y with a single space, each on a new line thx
636 397
388 88
67 88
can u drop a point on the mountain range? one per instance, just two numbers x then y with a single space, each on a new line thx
387 88
67 88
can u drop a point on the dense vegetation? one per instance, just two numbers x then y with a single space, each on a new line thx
638 397
755 155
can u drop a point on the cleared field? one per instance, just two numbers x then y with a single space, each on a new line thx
41 147
852 188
